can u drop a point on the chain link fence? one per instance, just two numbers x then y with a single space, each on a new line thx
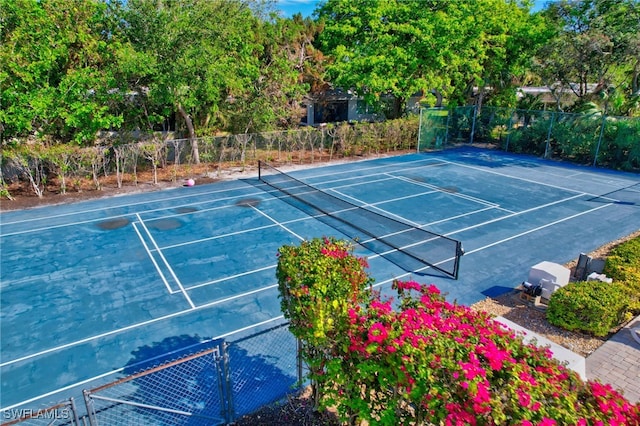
119 161
210 383
593 139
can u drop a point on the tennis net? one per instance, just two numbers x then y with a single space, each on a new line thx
431 249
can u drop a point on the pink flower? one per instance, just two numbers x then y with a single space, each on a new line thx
377 333
408 285
523 398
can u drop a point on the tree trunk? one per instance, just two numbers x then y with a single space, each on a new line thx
192 134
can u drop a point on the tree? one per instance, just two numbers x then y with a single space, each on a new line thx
287 64
54 78
410 46
204 54
595 53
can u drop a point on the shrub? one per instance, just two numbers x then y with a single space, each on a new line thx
432 362
594 307
424 360
623 265
318 282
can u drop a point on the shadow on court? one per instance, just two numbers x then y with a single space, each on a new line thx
188 378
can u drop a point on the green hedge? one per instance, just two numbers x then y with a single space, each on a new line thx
623 265
594 307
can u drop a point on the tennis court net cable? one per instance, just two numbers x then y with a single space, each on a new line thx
434 250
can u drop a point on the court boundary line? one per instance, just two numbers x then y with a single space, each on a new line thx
153 259
387 213
166 263
198 194
138 203
538 228
438 189
408 273
442 162
312 166
221 336
134 326
121 369
509 216
278 223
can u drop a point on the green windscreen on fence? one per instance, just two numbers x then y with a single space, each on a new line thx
589 138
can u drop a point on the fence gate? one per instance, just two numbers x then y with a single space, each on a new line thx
190 390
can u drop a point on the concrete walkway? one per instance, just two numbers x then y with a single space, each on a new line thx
573 360
617 362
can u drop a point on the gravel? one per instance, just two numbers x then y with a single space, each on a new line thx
512 307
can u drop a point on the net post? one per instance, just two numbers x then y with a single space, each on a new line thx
259 169
459 254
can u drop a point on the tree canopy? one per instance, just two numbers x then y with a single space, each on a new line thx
595 52
409 46
70 69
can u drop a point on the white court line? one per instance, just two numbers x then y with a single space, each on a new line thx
134 326
102 219
244 231
538 228
517 177
215 237
153 260
278 224
231 277
46 228
382 166
119 206
173 274
498 219
199 194
401 219
459 195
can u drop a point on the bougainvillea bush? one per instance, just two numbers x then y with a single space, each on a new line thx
422 360
318 282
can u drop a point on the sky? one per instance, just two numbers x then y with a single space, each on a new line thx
291 7
306 7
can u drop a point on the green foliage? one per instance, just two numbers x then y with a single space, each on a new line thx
594 307
409 46
423 360
623 265
597 41
318 281
571 136
56 79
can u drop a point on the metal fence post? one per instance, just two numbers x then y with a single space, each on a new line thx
74 410
604 121
546 148
446 129
226 368
419 130
473 123
506 147
91 413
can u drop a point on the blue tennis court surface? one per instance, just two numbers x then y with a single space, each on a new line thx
84 286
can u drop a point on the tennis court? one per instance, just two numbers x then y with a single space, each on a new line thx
85 286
